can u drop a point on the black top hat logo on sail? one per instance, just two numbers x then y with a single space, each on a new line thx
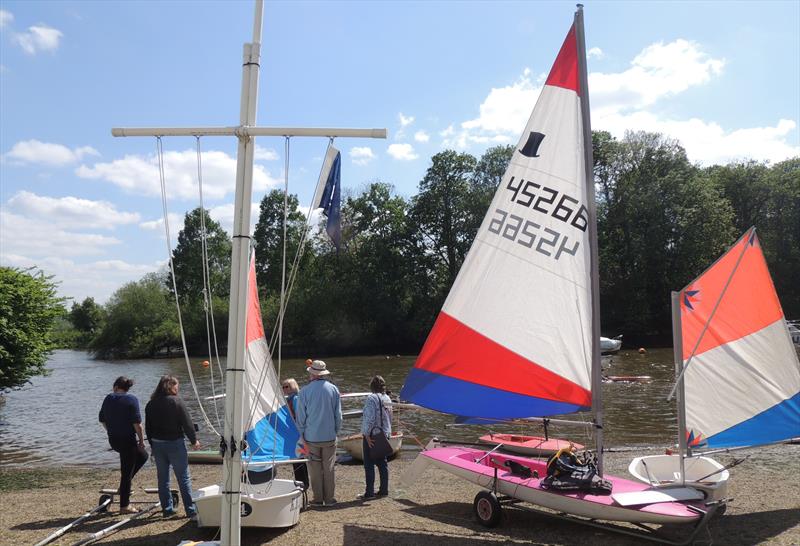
531 148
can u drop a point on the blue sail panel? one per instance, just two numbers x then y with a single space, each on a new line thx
780 422
273 438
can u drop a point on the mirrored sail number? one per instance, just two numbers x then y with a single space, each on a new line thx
542 199
531 235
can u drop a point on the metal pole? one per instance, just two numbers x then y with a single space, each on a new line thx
597 380
230 531
244 131
677 348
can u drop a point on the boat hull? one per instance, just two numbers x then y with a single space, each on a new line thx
461 462
528 445
664 471
206 456
352 444
276 503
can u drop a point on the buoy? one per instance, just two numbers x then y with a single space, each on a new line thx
308 362
642 350
205 363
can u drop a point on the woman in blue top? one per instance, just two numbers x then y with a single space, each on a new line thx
122 420
290 390
377 414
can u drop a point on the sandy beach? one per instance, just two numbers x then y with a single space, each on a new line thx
35 502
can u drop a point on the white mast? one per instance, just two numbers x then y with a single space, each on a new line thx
245 132
677 348
597 380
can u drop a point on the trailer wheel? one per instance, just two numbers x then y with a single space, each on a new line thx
104 498
487 509
176 499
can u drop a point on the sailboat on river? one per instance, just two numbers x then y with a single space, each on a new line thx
518 335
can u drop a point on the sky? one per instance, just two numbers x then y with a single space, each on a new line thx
721 77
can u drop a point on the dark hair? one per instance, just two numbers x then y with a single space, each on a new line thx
378 384
164 385
123 383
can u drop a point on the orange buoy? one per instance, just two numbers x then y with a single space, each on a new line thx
642 350
308 362
205 363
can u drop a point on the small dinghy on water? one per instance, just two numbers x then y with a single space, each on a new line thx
610 346
519 333
730 339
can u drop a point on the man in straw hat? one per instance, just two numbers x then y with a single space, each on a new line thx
319 420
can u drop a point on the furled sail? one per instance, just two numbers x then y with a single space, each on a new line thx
514 337
742 378
271 433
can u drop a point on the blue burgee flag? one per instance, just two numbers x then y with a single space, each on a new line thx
329 194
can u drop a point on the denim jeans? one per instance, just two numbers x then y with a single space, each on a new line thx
173 453
369 472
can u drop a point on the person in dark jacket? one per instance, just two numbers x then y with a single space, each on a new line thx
166 422
122 420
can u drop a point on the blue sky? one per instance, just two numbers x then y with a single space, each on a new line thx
722 77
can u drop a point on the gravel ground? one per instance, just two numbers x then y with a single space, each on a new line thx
35 502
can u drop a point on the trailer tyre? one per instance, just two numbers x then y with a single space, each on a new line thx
487 509
176 499
104 498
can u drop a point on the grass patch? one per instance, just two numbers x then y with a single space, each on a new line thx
38 478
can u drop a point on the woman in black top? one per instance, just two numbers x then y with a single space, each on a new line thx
120 416
166 423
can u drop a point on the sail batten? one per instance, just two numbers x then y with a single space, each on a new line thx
742 383
516 329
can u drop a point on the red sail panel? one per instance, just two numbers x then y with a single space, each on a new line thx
456 350
565 69
749 304
255 328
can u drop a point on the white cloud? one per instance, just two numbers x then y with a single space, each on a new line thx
405 120
6 17
175 225
26 236
421 136
265 154
595 53
69 212
57 155
223 214
139 175
98 279
361 155
38 38
402 152
624 102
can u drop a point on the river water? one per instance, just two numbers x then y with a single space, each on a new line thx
53 421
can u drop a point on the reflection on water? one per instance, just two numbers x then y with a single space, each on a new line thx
54 420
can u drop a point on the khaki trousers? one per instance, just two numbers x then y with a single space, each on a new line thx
322 457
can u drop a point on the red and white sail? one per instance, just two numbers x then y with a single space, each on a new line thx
514 337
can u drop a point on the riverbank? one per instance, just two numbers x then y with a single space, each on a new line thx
36 502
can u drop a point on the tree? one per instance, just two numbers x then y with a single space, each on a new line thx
487 176
141 321
660 223
87 318
187 258
268 238
440 211
29 308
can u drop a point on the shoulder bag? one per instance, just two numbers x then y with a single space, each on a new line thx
380 443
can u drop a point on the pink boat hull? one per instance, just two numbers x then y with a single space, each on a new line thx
528 445
460 461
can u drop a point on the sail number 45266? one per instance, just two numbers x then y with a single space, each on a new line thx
540 198
526 232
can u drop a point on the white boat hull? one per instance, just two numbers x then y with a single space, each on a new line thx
610 346
352 444
664 471
276 503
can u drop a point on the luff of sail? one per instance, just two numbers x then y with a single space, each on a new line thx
513 338
742 382
271 433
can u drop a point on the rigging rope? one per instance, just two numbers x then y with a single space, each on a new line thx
165 210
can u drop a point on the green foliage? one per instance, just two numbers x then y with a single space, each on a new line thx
141 321
29 309
87 319
187 258
268 237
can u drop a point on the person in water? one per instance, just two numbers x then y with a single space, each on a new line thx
166 422
377 415
290 390
122 420
319 420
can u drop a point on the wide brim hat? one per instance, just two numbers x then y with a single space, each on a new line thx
318 367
